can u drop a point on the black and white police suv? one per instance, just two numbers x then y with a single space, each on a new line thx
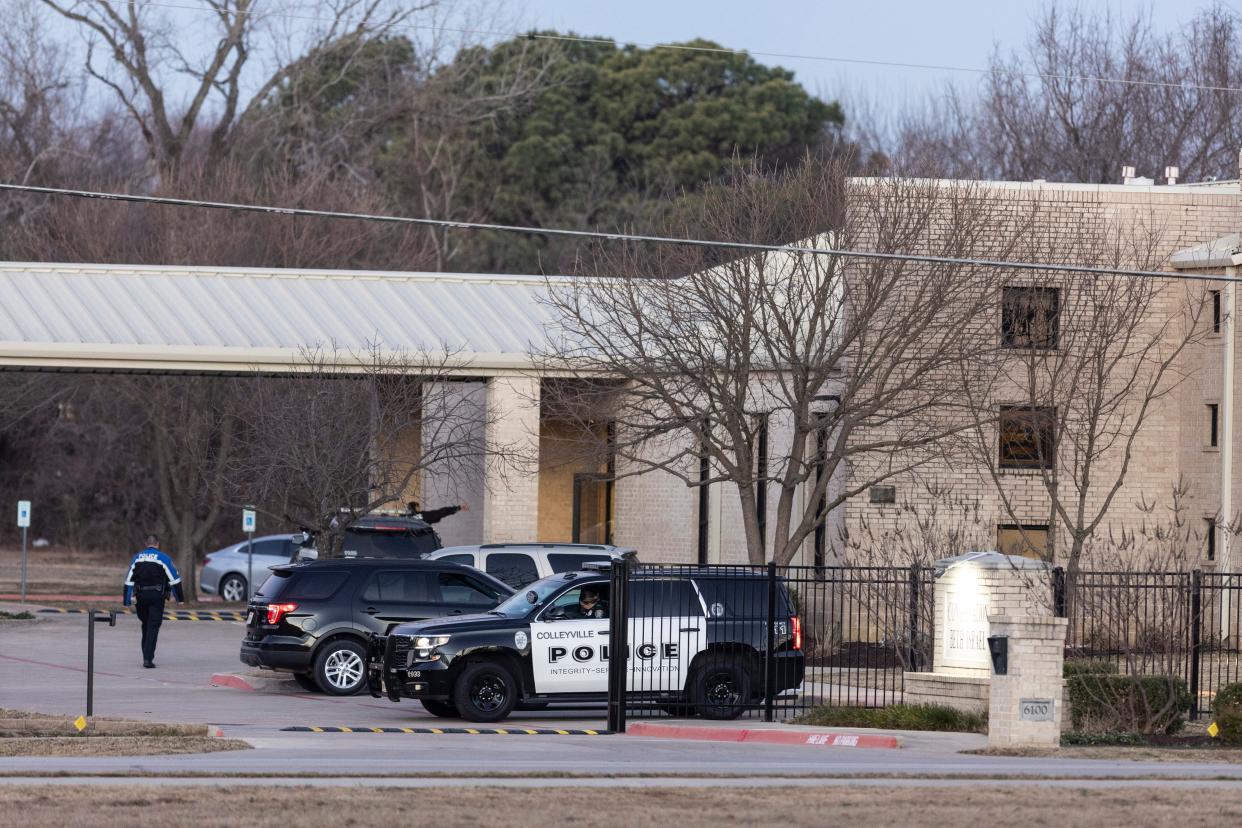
697 641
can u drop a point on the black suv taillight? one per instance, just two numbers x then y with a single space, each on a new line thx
275 612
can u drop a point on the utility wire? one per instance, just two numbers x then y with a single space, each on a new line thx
622 237
532 35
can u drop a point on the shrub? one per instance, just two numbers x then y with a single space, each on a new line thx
899 717
1101 702
1076 739
1088 666
1228 709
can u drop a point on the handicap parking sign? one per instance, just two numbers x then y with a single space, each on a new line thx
23 514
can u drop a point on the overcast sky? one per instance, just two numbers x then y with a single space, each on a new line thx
956 32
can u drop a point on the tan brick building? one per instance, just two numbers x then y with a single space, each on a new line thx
551 492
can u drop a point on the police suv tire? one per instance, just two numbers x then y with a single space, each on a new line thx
443 709
336 662
307 682
485 692
232 588
720 687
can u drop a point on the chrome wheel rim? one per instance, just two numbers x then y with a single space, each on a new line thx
233 589
343 669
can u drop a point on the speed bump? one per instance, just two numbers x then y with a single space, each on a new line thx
454 731
169 615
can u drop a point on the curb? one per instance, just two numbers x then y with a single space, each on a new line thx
771 737
454 731
231 680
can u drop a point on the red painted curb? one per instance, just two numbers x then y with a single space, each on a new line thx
231 680
771 737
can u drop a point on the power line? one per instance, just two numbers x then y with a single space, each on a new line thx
604 236
935 67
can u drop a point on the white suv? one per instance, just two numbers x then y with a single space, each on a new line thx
518 564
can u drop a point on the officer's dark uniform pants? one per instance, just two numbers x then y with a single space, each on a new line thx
151 614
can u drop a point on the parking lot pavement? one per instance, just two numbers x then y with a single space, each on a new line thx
42 668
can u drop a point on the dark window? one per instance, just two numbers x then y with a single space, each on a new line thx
1030 317
270 548
1027 437
455 588
275 585
402 587
573 561
663 599
465 560
821 509
1213 424
705 472
1210 530
732 597
1216 311
1033 541
592 508
761 481
514 568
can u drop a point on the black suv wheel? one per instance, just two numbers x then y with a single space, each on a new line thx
341 667
485 692
720 687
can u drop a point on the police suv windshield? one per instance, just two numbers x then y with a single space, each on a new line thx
522 602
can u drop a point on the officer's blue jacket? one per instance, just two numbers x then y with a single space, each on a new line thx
152 568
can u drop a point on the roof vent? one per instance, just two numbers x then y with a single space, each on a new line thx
1171 174
1127 173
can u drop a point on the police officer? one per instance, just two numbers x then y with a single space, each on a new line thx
589 606
151 575
435 515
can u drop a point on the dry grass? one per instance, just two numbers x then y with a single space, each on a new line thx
112 807
1123 753
115 745
60 571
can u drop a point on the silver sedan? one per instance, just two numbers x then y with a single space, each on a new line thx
224 571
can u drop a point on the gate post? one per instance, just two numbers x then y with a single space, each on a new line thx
618 642
912 633
769 662
1196 630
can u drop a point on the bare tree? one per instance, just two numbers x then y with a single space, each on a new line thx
1088 93
1085 364
347 434
862 354
139 55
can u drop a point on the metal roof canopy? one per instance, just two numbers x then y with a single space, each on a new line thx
178 319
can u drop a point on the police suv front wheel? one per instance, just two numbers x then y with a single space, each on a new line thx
721 687
485 692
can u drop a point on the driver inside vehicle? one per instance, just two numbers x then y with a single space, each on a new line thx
589 605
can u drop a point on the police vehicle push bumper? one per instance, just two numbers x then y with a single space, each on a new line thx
396 670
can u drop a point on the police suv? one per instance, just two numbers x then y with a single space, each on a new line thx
697 644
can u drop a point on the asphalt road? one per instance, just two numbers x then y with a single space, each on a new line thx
42 668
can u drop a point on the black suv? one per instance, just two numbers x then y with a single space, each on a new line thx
697 640
313 619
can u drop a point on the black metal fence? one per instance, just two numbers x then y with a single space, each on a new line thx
764 641
774 642
1185 624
